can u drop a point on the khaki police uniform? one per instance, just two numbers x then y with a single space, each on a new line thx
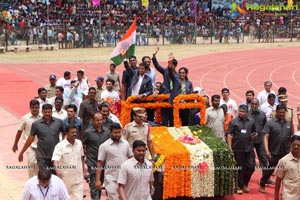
133 131
50 90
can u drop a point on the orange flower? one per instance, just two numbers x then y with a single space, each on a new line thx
177 176
158 117
127 106
181 102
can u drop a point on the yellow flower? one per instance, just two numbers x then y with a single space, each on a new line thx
195 132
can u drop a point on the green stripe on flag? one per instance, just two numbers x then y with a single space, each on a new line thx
118 59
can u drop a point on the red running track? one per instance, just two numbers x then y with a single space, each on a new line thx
237 70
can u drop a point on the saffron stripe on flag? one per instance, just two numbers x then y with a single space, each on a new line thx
127 43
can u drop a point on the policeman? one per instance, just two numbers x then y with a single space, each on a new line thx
139 130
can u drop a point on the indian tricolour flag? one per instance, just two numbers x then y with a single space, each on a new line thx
127 43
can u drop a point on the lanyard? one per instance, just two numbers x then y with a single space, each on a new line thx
44 195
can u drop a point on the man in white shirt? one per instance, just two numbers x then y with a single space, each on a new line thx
269 106
113 152
135 177
58 112
109 92
68 160
114 118
59 92
42 92
263 95
45 186
83 86
215 117
231 104
25 126
65 82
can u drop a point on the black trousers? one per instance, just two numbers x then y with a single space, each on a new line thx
267 172
167 116
245 162
158 186
184 116
259 147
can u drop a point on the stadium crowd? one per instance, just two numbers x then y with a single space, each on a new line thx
78 22
73 130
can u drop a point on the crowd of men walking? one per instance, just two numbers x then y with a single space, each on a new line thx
70 131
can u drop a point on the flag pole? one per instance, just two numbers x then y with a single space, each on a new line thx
47 21
147 28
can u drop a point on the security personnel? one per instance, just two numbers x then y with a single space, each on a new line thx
51 86
241 131
283 99
139 130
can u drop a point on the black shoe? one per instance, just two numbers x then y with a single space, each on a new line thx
270 183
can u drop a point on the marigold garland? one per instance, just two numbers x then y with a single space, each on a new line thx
202 181
158 117
177 176
180 102
126 106
159 97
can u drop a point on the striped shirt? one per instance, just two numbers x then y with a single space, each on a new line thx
55 190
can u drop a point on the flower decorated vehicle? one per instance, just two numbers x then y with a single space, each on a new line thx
194 161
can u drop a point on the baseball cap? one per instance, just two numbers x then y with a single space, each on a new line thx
140 111
282 97
52 76
100 78
198 90
85 92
